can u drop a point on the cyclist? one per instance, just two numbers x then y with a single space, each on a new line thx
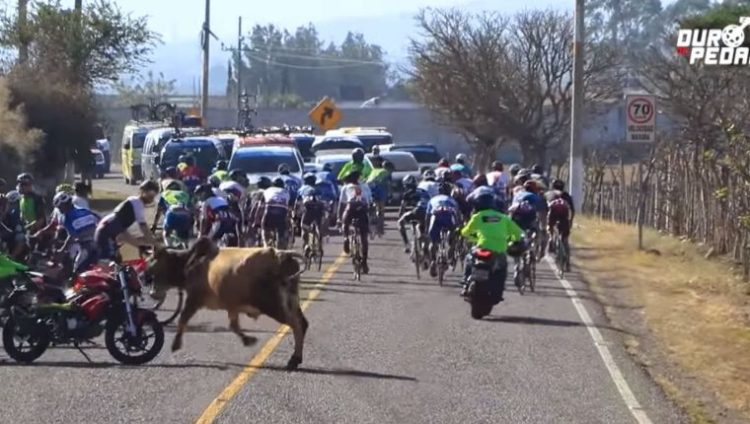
178 218
463 182
254 210
462 165
355 202
442 214
537 173
114 227
312 209
358 163
483 193
33 213
81 195
498 180
326 174
191 175
171 174
415 199
220 171
217 219
182 163
525 211
80 224
443 167
276 213
380 182
491 230
561 212
429 183
14 233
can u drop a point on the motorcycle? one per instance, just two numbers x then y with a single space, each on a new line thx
99 302
480 291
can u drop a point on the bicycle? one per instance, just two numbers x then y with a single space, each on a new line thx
416 247
315 248
356 251
442 254
562 255
525 269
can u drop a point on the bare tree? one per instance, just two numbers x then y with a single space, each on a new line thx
498 78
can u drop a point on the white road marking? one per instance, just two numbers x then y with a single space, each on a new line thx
601 346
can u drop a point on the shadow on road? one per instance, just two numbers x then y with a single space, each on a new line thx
341 372
95 365
206 328
547 322
335 290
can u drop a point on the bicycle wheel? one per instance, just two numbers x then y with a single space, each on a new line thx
532 273
415 250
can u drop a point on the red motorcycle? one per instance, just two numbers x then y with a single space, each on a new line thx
100 301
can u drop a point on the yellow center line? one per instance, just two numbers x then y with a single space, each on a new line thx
217 405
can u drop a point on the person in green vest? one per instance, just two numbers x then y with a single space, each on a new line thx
380 184
220 171
357 164
33 212
172 197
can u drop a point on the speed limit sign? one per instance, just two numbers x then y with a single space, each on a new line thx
641 118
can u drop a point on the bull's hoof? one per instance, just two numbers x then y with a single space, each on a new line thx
293 363
249 341
176 345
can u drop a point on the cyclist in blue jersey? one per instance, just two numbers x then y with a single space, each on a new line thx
80 225
442 214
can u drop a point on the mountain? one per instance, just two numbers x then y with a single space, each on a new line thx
182 61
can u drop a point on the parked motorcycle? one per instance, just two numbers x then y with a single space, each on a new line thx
99 302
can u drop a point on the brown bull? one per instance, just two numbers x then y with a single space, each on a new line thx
252 281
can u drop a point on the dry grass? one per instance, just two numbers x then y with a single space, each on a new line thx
696 308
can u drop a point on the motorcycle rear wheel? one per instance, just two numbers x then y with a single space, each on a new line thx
38 342
133 344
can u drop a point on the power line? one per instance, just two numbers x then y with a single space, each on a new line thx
292 66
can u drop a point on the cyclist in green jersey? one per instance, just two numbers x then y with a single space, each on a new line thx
491 230
33 212
357 164
220 171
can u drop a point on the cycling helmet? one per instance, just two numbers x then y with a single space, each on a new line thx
524 173
352 177
497 166
537 169
388 166
445 189
65 188
328 167
409 181
429 175
484 202
278 182
61 198
461 158
182 159
171 172
174 186
204 190
214 181
480 180
358 154
443 163
514 169
531 186
558 185
13 196
24 178
284 169
221 165
189 160
309 178
149 185
236 175
264 182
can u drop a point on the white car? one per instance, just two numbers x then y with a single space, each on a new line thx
326 145
264 161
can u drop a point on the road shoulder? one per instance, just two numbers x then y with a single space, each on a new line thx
685 316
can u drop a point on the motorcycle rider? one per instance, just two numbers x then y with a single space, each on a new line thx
114 227
355 202
491 230
358 164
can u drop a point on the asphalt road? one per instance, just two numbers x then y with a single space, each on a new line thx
388 349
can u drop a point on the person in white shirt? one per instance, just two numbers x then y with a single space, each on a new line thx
355 202
498 180
81 196
276 213
103 145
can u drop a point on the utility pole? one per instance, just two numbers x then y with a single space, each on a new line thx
576 125
23 47
206 43
238 70
78 6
